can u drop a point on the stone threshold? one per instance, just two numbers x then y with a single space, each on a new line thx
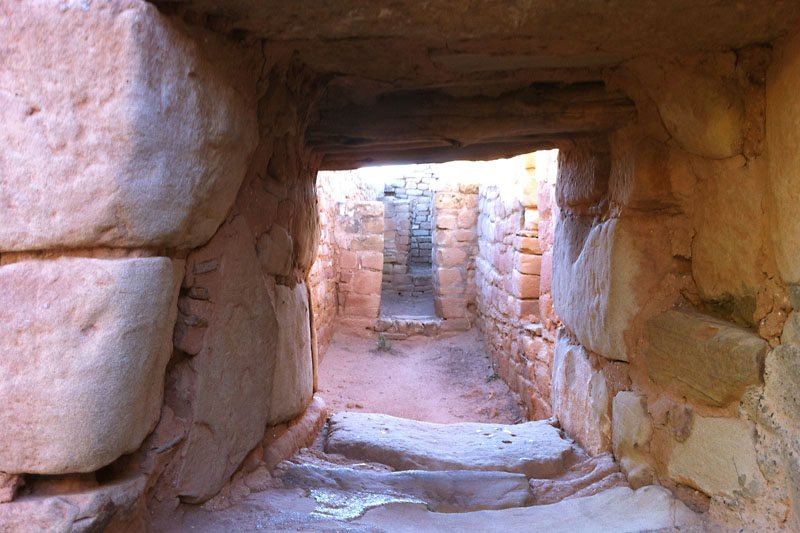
399 327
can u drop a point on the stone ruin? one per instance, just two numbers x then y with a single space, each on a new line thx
166 302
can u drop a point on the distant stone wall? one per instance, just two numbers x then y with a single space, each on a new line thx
454 250
359 238
409 215
323 277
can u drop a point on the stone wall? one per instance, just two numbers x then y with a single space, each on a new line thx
455 249
508 280
323 276
155 319
409 215
359 238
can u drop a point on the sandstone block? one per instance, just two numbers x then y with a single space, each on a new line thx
527 244
783 136
580 397
525 286
446 222
631 432
450 276
526 309
528 264
239 353
372 260
84 344
583 170
372 225
603 274
147 148
467 219
451 257
708 359
452 307
275 251
292 382
348 260
367 282
366 209
718 458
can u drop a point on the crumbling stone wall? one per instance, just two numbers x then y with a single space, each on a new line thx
323 276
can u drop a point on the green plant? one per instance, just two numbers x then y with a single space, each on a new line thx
384 344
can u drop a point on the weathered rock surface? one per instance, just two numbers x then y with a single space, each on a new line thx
442 491
619 510
291 384
149 145
595 269
232 372
536 449
631 433
718 458
708 359
579 397
112 507
586 477
85 343
9 484
783 136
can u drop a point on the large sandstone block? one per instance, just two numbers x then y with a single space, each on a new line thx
707 359
783 137
718 458
292 382
233 370
631 433
601 274
149 144
579 397
84 344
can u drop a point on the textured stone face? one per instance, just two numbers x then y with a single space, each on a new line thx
580 397
719 457
594 276
631 433
708 359
85 343
292 382
783 137
235 365
147 147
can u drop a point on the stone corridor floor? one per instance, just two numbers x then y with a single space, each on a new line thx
394 304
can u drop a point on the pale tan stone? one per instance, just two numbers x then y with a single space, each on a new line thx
275 251
149 145
451 307
467 219
367 282
528 263
527 244
84 344
372 260
631 433
718 458
239 354
705 358
348 260
524 286
783 137
450 276
451 257
446 222
580 397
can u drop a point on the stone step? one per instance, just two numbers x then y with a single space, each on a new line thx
619 510
536 449
442 491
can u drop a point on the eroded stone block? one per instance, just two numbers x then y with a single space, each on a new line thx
84 344
708 359
631 432
149 145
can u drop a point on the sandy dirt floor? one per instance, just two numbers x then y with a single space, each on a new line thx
432 380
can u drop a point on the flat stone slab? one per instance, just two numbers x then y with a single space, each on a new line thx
621 510
442 491
535 449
